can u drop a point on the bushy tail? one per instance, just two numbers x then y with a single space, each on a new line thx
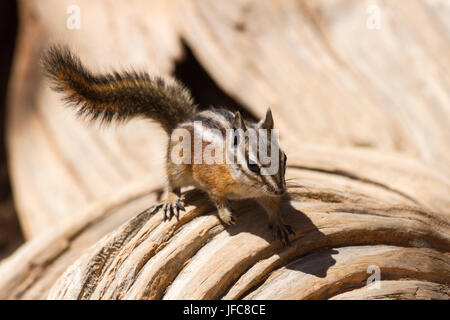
117 96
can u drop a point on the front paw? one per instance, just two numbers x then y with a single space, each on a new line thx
226 216
281 231
172 206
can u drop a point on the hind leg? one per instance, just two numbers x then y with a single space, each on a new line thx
178 176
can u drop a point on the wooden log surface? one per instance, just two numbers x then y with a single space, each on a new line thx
363 114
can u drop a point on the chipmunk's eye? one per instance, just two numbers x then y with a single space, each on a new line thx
254 167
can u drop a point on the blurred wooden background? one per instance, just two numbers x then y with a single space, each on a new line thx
364 117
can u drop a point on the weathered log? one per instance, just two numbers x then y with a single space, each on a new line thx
365 130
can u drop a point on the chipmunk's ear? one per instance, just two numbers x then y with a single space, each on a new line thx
238 122
267 121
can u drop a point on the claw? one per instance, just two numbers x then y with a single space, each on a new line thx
289 229
282 231
171 211
155 208
170 208
176 212
226 216
180 205
166 213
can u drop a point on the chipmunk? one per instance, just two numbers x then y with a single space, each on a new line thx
119 96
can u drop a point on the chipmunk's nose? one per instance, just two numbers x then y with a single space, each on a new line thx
280 191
